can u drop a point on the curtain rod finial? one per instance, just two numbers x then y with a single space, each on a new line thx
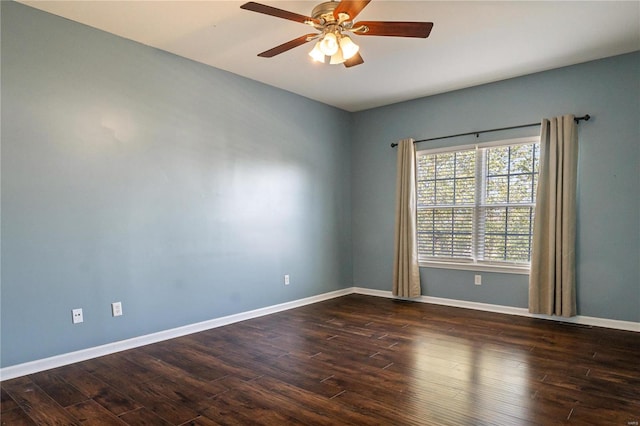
585 117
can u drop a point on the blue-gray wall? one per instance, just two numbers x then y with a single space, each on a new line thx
608 249
130 174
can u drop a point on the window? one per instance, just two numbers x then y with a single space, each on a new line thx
476 204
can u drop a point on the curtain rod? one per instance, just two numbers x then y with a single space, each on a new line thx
477 133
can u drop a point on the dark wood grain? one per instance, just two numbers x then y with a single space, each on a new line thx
6 402
105 395
16 417
395 29
58 389
278 13
350 7
91 413
37 404
284 47
143 417
353 360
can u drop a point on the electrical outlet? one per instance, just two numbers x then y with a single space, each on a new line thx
116 309
477 280
286 279
76 316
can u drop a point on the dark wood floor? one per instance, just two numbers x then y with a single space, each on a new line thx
352 360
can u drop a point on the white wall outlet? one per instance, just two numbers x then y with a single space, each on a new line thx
286 279
116 309
477 280
76 316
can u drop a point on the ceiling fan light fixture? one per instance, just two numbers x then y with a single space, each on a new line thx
330 19
348 47
316 53
329 44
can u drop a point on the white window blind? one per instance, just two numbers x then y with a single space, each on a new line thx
476 204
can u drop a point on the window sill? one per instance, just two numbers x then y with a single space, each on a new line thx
505 269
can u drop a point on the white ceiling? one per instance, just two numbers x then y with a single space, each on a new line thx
472 42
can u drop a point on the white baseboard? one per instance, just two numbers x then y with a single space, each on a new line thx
26 368
510 310
31 367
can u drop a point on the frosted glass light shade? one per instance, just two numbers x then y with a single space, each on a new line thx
337 58
329 44
316 53
348 47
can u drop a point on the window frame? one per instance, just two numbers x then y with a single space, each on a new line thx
474 264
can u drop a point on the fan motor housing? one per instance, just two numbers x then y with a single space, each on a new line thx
324 11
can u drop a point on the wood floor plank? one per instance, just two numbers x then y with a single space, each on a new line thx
105 395
16 417
143 417
332 410
257 398
39 406
91 413
182 393
215 365
172 411
175 374
116 370
239 407
6 402
301 374
194 362
57 388
583 414
201 421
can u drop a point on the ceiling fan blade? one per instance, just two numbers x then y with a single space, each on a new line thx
288 45
354 60
394 29
350 7
278 13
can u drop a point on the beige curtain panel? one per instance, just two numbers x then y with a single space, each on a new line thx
552 286
406 273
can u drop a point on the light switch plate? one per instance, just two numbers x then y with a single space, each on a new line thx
116 309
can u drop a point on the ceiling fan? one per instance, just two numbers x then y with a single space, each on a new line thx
333 20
